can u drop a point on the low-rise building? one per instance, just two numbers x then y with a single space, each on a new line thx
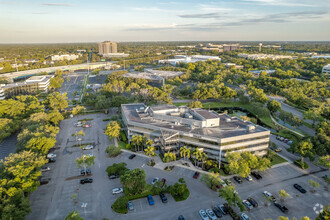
115 55
325 56
233 65
326 69
32 85
264 56
31 61
189 59
65 57
257 72
171 127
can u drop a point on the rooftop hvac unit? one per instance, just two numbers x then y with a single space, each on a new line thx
251 128
228 119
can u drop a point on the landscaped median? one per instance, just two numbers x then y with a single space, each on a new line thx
135 187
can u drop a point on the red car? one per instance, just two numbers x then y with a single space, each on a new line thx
196 175
87 126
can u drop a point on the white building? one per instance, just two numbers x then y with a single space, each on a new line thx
326 56
115 55
326 69
189 59
264 56
2 93
65 57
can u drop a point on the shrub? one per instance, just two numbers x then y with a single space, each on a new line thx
179 191
298 163
113 151
120 205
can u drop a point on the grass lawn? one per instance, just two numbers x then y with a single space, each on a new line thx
265 119
277 160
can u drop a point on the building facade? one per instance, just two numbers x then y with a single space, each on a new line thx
326 69
32 85
107 47
171 127
189 59
65 57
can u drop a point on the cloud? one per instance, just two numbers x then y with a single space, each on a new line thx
207 15
56 4
153 9
214 8
292 3
40 13
242 21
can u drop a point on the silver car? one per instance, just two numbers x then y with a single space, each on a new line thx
247 204
130 206
211 214
117 190
245 216
88 147
203 215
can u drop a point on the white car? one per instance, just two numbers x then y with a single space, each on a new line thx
248 178
211 214
78 123
44 169
203 215
90 155
51 156
245 216
269 195
247 204
88 147
156 179
117 190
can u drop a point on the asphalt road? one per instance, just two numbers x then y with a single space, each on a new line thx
8 146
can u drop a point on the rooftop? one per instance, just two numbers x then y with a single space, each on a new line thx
160 117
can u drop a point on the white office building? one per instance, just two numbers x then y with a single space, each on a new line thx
188 59
326 69
171 127
65 57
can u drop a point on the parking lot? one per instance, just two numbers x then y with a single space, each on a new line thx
54 200
73 83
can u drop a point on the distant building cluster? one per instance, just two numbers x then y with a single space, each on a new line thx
264 56
154 77
257 72
65 57
219 48
188 59
30 86
325 56
326 69
233 65
171 127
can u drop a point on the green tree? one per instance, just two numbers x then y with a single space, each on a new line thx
313 184
74 215
168 157
137 141
117 169
57 101
230 195
324 161
304 149
325 214
85 161
55 117
76 110
112 130
134 182
77 135
56 82
40 144
197 153
283 218
273 106
312 114
185 152
149 151
195 104
120 205
179 190
113 151
283 195
212 180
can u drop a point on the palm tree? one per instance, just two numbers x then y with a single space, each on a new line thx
168 157
148 142
183 152
149 151
197 154
203 158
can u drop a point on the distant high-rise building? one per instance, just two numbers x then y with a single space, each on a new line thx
107 47
230 47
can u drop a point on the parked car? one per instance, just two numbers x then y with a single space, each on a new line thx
237 179
150 200
290 142
248 178
117 190
217 212
223 209
163 197
87 126
269 195
88 147
281 207
131 156
203 215
196 175
256 175
211 215
278 137
130 206
285 140
281 138
163 181
247 204
114 176
156 179
77 123
252 201
299 188
88 171
228 182
181 217
51 160
91 155
278 149
44 169
51 156
86 180
245 216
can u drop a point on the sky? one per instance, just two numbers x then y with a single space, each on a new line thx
50 21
